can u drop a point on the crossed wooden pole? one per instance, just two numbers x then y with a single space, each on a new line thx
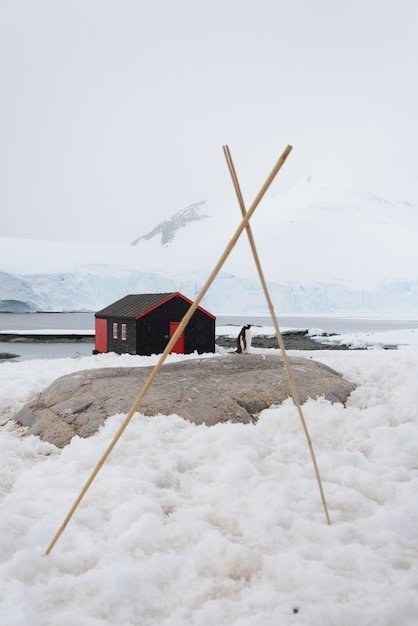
243 225
276 326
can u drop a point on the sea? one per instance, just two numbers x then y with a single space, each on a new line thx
84 322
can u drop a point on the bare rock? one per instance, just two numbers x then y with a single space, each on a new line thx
231 387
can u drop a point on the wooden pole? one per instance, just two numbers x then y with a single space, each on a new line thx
276 325
171 343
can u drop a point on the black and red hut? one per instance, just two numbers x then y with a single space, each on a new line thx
144 324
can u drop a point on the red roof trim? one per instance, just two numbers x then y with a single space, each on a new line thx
173 295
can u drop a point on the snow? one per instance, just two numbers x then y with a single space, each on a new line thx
201 525
330 244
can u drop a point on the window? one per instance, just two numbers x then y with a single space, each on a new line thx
123 332
115 330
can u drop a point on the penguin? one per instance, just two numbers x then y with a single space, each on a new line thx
244 339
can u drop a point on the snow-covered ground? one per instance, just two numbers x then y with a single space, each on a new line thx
191 525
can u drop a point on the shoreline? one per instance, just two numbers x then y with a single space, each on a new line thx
32 337
292 339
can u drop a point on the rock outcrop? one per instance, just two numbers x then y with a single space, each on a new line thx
168 228
224 388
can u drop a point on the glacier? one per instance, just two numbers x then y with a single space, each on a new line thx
84 290
328 246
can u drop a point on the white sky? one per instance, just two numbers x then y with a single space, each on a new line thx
113 114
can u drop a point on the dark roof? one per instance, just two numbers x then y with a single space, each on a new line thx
136 305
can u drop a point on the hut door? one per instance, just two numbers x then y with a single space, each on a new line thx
101 335
178 347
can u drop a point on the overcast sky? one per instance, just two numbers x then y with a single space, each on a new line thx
113 113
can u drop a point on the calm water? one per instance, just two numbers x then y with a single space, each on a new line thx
47 321
43 321
85 321
337 325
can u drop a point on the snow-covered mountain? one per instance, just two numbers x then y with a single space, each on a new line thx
329 245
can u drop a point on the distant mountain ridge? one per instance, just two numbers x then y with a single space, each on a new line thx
168 228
